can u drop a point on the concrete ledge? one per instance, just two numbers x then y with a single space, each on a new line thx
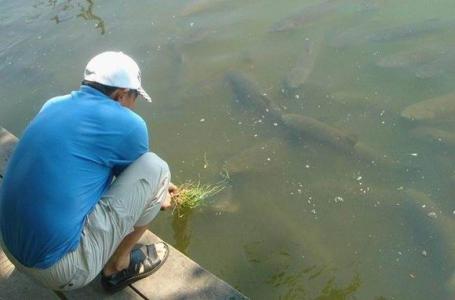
178 278
182 278
15 285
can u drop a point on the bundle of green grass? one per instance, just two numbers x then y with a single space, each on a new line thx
191 195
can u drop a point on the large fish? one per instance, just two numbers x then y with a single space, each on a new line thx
247 92
434 135
436 67
433 109
320 131
348 37
374 157
434 230
353 98
197 6
407 31
408 58
304 66
310 13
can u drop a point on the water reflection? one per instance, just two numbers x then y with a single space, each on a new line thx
182 232
69 9
87 14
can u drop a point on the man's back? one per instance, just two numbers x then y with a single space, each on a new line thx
61 167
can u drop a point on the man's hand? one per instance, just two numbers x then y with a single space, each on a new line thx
172 192
173 189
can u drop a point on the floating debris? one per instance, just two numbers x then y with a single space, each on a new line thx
338 199
432 214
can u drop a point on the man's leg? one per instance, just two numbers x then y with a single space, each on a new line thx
120 260
124 212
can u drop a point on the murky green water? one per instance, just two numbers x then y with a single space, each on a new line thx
301 218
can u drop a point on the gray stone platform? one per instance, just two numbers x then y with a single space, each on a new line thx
178 278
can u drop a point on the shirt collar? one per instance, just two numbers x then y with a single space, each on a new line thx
89 90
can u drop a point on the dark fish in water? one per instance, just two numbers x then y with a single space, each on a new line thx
197 6
308 14
320 131
371 5
425 62
372 156
430 70
413 57
434 135
195 36
434 230
305 64
408 31
444 63
349 37
432 109
258 158
246 91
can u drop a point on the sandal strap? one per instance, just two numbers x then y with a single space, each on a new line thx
152 254
144 260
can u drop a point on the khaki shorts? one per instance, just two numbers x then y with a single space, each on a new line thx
134 199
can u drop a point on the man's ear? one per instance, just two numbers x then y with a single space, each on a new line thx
118 94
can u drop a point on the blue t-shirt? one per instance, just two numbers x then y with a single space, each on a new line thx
61 167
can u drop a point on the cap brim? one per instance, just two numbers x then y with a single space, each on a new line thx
144 94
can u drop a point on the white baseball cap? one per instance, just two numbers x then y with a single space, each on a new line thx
115 69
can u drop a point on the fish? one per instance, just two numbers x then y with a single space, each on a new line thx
256 159
407 31
247 92
309 14
431 109
370 5
320 131
433 228
367 153
304 66
225 202
195 36
431 134
197 6
413 57
437 67
348 37
353 98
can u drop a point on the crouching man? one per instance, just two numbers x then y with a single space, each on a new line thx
82 186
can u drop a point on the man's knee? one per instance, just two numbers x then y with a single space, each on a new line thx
154 165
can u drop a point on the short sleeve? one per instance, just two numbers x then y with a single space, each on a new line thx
133 145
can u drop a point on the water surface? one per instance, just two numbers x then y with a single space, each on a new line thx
303 219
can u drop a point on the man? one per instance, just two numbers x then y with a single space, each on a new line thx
81 186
